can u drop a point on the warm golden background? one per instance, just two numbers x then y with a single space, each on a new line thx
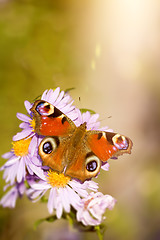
110 52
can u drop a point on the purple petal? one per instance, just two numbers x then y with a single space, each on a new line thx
28 106
104 128
53 96
59 210
110 202
33 145
22 189
88 220
7 155
28 164
64 101
23 117
36 161
6 186
21 170
9 199
95 212
23 134
59 98
24 125
73 197
41 185
64 197
68 108
36 195
94 117
81 192
38 171
47 95
52 196
105 166
10 173
44 95
11 161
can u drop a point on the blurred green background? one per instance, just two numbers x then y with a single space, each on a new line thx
109 51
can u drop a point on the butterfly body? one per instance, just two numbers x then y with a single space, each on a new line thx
75 151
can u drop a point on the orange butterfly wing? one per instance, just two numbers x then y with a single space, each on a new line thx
50 121
96 147
107 144
52 151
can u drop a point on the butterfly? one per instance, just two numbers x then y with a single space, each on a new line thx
77 152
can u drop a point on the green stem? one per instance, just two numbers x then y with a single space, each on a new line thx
70 220
98 231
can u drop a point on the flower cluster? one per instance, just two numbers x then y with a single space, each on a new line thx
25 174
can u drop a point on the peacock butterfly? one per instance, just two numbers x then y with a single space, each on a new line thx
75 151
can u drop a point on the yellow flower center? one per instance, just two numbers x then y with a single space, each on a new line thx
32 123
20 148
57 179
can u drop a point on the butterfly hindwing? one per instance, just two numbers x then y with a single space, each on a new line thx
52 151
85 164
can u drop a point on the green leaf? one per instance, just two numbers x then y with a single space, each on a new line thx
69 89
44 199
51 218
37 223
83 110
26 184
48 219
37 98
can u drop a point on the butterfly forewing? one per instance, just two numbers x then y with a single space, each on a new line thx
50 121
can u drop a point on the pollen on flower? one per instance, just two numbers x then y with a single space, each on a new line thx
32 124
20 148
57 179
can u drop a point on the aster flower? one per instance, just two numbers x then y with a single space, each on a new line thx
92 208
9 199
21 160
91 120
65 195
64 192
